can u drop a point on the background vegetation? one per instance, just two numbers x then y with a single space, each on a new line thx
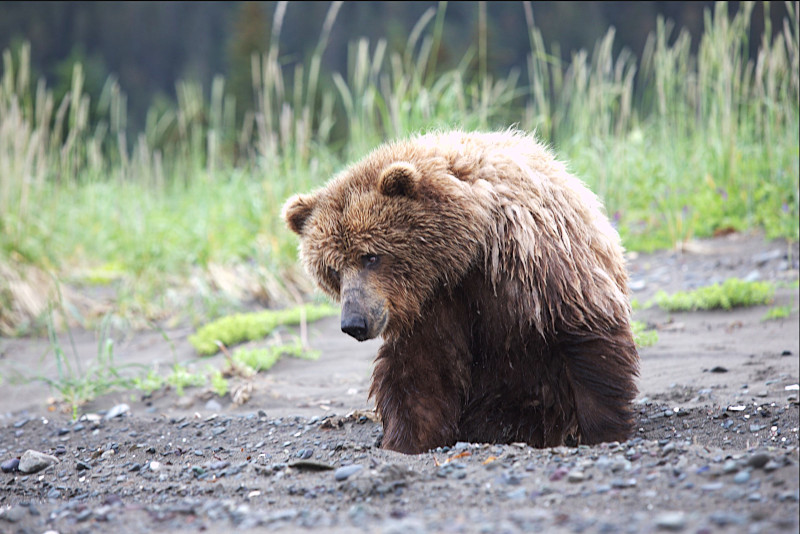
177 218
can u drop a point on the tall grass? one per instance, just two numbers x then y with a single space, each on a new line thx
677 144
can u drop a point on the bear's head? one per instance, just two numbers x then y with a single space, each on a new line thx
382 238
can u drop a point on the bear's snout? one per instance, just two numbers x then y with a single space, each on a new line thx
354 324
364 313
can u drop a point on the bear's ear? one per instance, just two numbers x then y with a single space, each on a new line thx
399 179
296 212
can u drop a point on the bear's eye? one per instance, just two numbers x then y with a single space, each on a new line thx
370 261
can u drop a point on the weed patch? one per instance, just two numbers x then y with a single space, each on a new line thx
241 327
642 336
778 312
731 293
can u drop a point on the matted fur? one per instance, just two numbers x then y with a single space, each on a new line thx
501 292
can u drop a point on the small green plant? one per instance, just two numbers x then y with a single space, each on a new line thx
77 385
730 294
243 327
778 312
262 359
642 336
150 382
181 377
219 384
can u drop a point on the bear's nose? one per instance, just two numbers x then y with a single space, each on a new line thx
355 325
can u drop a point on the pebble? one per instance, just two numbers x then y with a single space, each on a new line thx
343 473
213 406
758 460
116 411
576 476
770 466
21 423
742 477
15 514
673 521
34 461
729 467
10 466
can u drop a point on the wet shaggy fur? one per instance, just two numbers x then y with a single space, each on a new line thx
496 282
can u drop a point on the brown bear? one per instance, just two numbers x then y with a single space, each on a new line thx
496 281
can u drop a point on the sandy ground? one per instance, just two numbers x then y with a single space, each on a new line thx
716 450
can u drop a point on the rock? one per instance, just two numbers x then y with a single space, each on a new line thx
719 369
9 466
770 466
213 406
672 521
310 465
343 473
15 514
730 467
116 411
576 476
758 460
742 477
34 461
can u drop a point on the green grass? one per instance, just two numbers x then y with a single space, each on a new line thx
778 312
77 383
263 358
642 336
732 293
242 327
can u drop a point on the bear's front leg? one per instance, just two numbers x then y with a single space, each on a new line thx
602 368
420 383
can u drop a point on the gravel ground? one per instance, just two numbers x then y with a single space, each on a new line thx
716 448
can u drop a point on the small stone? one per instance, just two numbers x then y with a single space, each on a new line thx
9 466
672 521
742 477
770 466
213 406
310 465
80 465
15 514
21 423
116 411
758 460
576 476
755 428
155 466
730 467
305 454
343 473
34 461
719 369
518 494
